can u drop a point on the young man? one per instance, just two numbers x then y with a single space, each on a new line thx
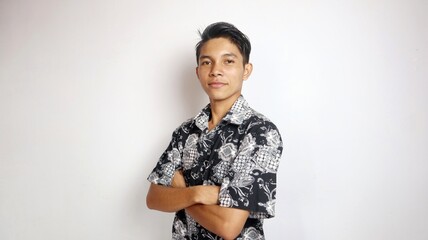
219 171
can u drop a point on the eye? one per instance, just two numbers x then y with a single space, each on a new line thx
205 62
229 61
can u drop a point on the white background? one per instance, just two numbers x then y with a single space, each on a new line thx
90 92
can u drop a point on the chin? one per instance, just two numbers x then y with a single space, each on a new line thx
219 98
222 95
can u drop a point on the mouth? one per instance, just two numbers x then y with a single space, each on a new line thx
216 84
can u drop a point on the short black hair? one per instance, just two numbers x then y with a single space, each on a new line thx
229 31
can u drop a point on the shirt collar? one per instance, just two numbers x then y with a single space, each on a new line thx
236 115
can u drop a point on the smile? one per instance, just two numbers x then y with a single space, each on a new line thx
216 84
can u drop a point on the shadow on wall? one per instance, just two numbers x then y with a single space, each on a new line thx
193 96
190 99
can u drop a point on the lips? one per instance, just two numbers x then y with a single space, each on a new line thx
216 84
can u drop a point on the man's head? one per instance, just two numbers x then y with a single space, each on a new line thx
228 31
223 62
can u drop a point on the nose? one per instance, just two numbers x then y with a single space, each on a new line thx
215 70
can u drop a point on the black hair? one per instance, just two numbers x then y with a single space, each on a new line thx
229 31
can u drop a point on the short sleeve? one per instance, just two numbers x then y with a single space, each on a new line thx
169 162
251 181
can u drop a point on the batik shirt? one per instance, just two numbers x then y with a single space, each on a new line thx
241 155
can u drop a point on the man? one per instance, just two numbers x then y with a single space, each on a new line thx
219 171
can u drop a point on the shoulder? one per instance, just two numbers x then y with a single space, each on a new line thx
257 122
261 130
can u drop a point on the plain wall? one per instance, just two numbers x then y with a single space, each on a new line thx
90 92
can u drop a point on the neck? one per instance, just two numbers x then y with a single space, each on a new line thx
219 110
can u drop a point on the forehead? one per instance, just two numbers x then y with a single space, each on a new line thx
219 47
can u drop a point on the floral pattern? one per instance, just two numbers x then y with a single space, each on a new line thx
241 155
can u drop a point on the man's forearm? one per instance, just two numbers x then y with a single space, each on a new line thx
225 222
172 199
169 199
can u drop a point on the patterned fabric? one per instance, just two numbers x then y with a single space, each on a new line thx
241 155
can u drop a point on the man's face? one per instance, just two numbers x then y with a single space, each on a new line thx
221 71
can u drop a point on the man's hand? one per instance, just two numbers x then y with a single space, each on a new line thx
207 195
200 202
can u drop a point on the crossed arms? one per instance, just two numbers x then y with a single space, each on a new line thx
200 202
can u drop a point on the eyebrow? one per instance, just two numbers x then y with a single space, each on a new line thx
224 55
230 55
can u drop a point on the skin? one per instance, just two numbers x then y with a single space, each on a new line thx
221 73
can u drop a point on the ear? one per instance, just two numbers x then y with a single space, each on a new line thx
197 72
248 68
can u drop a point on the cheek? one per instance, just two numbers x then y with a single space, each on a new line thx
202 72
237 74
202 76
202 80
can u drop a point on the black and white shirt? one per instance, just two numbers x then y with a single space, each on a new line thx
241 154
